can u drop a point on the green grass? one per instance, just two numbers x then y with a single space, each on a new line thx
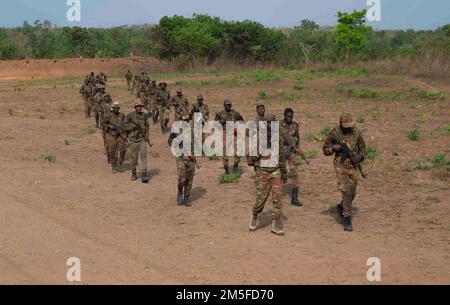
375 114
371 153
422 118
439 161
414 134
360 119
230 178
66 142
89 130
364 93
11 112
154 154
432 95
444 131
262 94
213 157
299 85
48 158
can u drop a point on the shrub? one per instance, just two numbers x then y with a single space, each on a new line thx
230 178
414 134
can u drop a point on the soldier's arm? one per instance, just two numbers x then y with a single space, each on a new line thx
328 145
297 136
361 144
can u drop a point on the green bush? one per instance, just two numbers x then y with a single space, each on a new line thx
432 95
262 94
230 178
414 134
66 142
360 119
371 153
48 158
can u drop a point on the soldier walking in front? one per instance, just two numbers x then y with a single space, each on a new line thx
115 137
347 144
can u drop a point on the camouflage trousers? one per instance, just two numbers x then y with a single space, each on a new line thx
115 148
129 85
138 150
185 172
153 109
226 159
268 182
293 169
87 106
347 180
164 118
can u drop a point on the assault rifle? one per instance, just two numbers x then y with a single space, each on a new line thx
347 153
291 149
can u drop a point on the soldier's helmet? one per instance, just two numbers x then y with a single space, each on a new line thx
346 120
179 90
199 97
115 105
163 84
227 102
138 102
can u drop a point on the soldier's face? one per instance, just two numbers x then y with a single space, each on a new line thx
346 130
200 102
261 111
138 109
116 109
227 107
180 93
288 117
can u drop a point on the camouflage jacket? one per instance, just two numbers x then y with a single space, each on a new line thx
141 121
86 91
116 119
292 132
354 141
224 116
165 95
129 76
203 109
280 165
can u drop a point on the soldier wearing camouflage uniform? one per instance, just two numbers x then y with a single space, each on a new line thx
291 134
98 98
180 105
224 116
268 182
201 107
134 84
128 78
115 137
164 101
346 172
137 124
103 110
185 166
152 102
87 92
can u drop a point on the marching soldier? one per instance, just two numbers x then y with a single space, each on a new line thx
86 92
137 123
164 101
228 114
346 142
185 166
152 102
115 137
201 107
128 78
98 98
291 136
134 84
268 181
180 104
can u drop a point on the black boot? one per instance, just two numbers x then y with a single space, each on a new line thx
236 167
294 198
339 211
180 194
133 175
144 177
227 169
348 224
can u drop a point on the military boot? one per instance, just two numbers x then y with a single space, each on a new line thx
180 194
339 211
144 177
133 175
348 224
277 227
227 169
236 167
253 223
294 198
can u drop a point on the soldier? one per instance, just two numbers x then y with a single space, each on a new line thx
163 98
98 97
201 107
86 92
137 122
103 110
128 78
228 114
91 78
346 135
185 166
180 104
134 84
260 113
145 93
153 103
115 137
268 181
291 136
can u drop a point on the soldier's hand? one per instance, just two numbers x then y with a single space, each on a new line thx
337 148
356 159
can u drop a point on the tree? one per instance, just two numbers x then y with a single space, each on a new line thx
351 31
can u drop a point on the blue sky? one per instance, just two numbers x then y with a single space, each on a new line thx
395 14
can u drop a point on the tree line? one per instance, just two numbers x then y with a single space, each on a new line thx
204 37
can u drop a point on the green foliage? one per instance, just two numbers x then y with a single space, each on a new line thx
89 130
350 32
48 158
414 134
444 131
230 178
154 154
67 142
439 161
432 95
299 86
360 119
416 165
213 157
11 112
371 153
262 94
311 154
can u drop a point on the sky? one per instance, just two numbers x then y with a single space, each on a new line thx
395 14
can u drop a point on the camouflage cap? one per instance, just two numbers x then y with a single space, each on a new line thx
227 102
199 97
259 105
116 105
138 102
346 120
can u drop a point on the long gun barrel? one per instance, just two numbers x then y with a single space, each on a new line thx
348 153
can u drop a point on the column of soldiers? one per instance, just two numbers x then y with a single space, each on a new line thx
131 132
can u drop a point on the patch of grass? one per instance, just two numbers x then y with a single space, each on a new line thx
312 154
375 114
66 142
444 131
48 158
318 136
286 96
230 178
11 112
213 157
414 134
371 153
432 95
154 154
360 119
364 93
416 165
262 94
398 96
422 118
89 130
439 161
299 86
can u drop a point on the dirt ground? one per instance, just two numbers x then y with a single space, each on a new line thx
128 232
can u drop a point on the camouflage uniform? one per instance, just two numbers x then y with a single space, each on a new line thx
185 173
346 173
99 96
268 182
203 109
134 83
152 102
181 106
115 137
128 78
223 117
87 92
163 97
137 136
